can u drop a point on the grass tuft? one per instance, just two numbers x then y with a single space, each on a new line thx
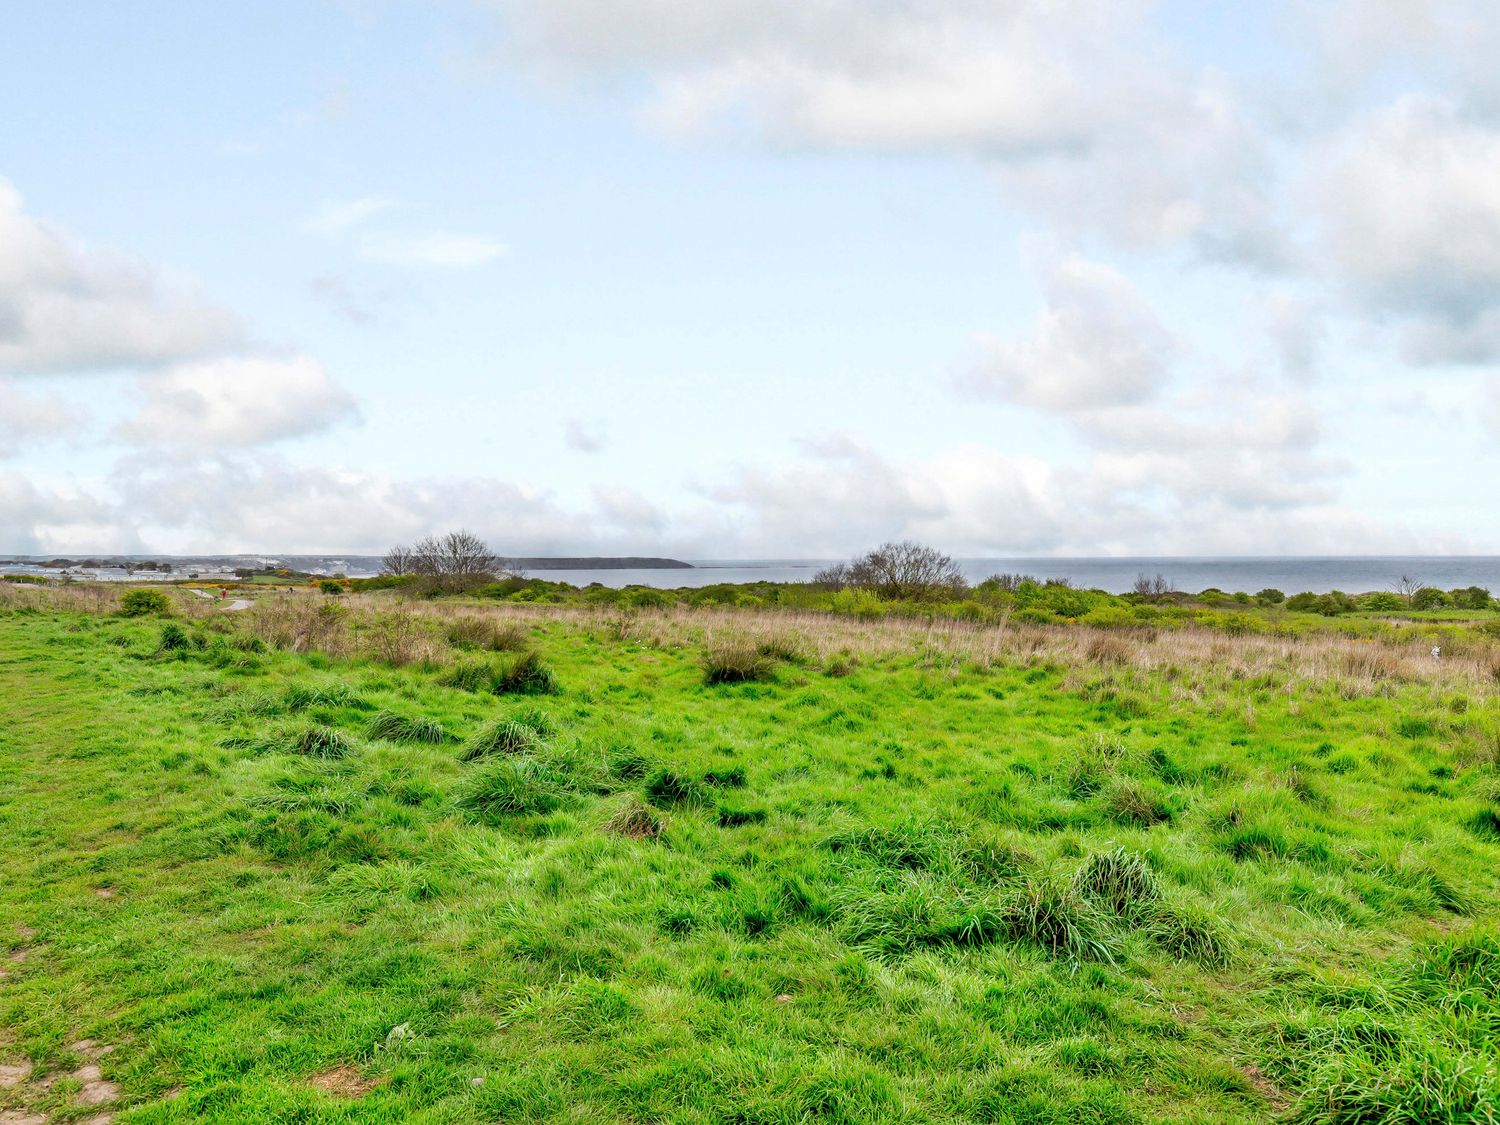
503 736
505 787
1120 881
318 741
735 662
391 727
636 820
526 675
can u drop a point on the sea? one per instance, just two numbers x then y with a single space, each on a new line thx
1290 574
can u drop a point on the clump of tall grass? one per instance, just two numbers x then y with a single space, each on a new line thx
1134 802
732 777
666 787
503 736
1043 913
173 637
299 697
471 631
526 675
1103 648
1120 881
391 727
1188 933
735 662
735 816
317 741
635 819
505 786
1097 761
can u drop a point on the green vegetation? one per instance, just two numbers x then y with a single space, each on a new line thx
336 860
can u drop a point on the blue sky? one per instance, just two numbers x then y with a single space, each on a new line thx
757 278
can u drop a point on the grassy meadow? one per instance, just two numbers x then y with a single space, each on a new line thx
364 859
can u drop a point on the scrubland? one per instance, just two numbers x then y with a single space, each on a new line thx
368 859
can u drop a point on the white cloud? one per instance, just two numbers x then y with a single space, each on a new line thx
234 403
1201 498
1297 332
26 417
65 307
342 215
1077 109
437 249
1409 201
1098 343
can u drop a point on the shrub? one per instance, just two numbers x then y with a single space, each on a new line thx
1270 596
1334 603
329 586
145 603
1382 601
1430 597
1119 880
504 736
526 675
1472 597
322 742
509 786
735 662
391 727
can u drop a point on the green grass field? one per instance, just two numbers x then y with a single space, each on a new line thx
900 874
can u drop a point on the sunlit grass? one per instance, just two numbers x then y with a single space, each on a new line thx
905 872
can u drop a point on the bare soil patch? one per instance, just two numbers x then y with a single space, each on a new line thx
344 1082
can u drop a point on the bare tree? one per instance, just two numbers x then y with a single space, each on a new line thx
1152 587
1406 586
905 570
397 561
450 563
834 577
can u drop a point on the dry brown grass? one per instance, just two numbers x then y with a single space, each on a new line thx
390 628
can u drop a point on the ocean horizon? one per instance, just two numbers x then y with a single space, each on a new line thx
1114 574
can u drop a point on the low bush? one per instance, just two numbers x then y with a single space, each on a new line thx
145 603
1430 597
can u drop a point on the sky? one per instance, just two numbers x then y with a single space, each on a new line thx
750 278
